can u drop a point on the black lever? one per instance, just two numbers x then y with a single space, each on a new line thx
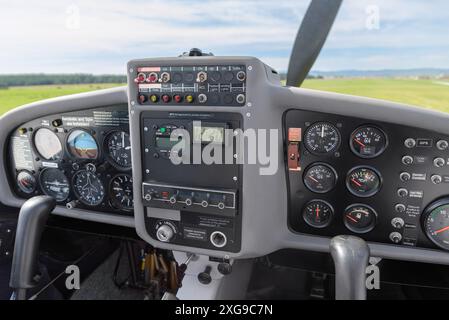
350 256
32 219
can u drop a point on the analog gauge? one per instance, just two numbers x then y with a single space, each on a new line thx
55 184
88 188
368 142
26 182
363 182
318 213
119 149
82 145
320 178
121 192
47 144
436 223
360 218
322 138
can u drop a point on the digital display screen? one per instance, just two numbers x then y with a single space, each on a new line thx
209 134
165 142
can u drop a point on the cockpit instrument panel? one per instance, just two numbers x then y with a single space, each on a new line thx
82 159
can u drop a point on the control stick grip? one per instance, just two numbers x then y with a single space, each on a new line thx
350 255
33 216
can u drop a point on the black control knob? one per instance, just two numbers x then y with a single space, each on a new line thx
204 277
224 268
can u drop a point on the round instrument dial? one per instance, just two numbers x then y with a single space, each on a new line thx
26 182
318 213
368 142
88 188
360 218
121 192
322 138
118 147
436 223
82 145
54 183
47 144
363 182
320 178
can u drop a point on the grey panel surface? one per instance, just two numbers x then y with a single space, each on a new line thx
264 211
15 117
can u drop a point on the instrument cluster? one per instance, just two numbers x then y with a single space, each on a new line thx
82 159
384 182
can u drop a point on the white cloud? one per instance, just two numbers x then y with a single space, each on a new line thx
35 36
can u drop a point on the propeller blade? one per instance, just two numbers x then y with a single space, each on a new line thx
312 34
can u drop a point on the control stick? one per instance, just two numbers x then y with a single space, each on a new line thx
350 255
32 219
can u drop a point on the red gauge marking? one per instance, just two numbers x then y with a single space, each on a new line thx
359 143
442 230
317 210
356 182
351 218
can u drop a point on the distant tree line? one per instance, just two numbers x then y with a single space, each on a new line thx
12 80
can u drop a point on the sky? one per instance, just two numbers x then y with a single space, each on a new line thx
82 36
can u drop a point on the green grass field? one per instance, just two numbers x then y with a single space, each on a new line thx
430 94
17 96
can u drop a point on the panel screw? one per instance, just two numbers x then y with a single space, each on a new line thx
250 68
131 70
249 104
234 178
248 114
133 103
147 171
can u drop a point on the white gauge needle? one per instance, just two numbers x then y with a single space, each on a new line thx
322 132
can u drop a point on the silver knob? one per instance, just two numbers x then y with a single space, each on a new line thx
165 233
172 199
405 176
395 237
402 192
148 197
442 145
410 143
398 223
407 160
400 207
439 162
436 179
188 202
204 204
221 205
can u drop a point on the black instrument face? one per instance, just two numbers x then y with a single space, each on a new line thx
318 213
363 182
360 218
54 183
320 178
121 192
118 146
26 182
88 188
322 138
436 223
47 144
82 145
368 142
